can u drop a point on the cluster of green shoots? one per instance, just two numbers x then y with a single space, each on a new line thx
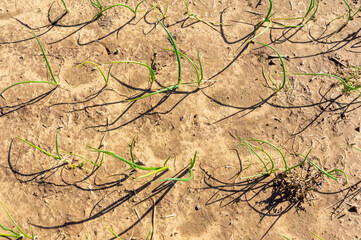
12 233
160 11
347 82
153 170
131 163
55 82
272 169
308 16
59 157
310 13
199 72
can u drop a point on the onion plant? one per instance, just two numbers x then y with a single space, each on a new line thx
346 81
350 16
64 4
106 78
193 161
57 156
179 68
153 170
47 63
354 147
314 234
101 9
11 233
198 72
313 6
309 15
132 163
272 169
179 82
280 86
159 11
115 235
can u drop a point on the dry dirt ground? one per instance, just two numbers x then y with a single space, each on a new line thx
62 200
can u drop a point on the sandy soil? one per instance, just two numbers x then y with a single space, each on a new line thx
64 202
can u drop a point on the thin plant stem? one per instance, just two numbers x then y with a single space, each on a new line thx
175 50
193 160
18 235
64 4
282 64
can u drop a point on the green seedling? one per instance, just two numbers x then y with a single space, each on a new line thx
280 86
12 233
106 78
102 10
198 72
259 34
58 156
268 171
314 234
250 146
353 146
312 5
347 84
350 17
159 11
47 63
132 163
193 161
179 68
131 152
115 235
97 4
151 71
259 25
268 19
331 173
175 50
64 4
210 24
179 82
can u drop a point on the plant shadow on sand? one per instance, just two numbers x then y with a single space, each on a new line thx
158 193
5 110
56 24
108 189
273 196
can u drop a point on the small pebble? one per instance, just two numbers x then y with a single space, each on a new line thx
198 207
